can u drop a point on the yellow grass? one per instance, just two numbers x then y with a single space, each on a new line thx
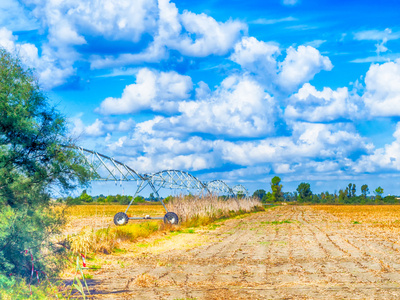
382 216
195 211
105 240
80 211
90 227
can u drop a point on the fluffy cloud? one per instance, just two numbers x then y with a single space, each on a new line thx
239 107
99 128
153 90
148 150
382 159
299 66
50 71
15 16
68 20
322 141
212 37
256 56
382 89
196 35
327 105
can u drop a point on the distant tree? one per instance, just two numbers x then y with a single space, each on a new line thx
364 190
351 190
111 198
289 196
304 191
342 196
378 192
259 194
124 200
168 199
139 199
151 197
276 187
101 199
85 198
268 198
390 200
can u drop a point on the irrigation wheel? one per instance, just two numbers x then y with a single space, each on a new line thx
121 219
171 218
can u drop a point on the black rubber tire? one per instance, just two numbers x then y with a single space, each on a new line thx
171 218
121 219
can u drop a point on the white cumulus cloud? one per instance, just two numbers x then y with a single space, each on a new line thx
382 159
382 89
50 71
239 107
301 65
309 104
262 59
153 90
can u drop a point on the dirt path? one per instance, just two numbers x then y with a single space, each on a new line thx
284 253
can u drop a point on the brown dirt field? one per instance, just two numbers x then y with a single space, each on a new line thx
288 252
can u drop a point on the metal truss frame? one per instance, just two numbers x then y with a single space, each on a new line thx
106 168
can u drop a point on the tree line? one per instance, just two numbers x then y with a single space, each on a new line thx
85 198
303 194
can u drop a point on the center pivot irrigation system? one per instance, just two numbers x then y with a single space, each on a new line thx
106 168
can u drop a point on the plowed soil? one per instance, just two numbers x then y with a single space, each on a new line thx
288 252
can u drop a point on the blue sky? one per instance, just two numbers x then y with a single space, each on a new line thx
235 90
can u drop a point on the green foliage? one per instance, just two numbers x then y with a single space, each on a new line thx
84 197
276 187
304 191
32 162
168 199
364 190
139 199
259 194
15 288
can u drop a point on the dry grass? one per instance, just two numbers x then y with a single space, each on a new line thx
79 211
386 217
96 234
105 240
195 211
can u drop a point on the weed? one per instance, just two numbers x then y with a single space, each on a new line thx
278 222
265 243
214 226
145 280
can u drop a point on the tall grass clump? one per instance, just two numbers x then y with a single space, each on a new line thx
196 211
192 211
105 240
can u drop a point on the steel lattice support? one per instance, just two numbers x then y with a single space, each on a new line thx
240 189
106 168
218 186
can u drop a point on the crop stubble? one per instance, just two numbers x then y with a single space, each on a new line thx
289 252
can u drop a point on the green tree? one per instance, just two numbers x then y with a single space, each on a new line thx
364 190
32 163
139 199
276 187
378 192
304 191
259 194
85 198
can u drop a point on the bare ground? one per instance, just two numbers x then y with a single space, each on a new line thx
288 252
